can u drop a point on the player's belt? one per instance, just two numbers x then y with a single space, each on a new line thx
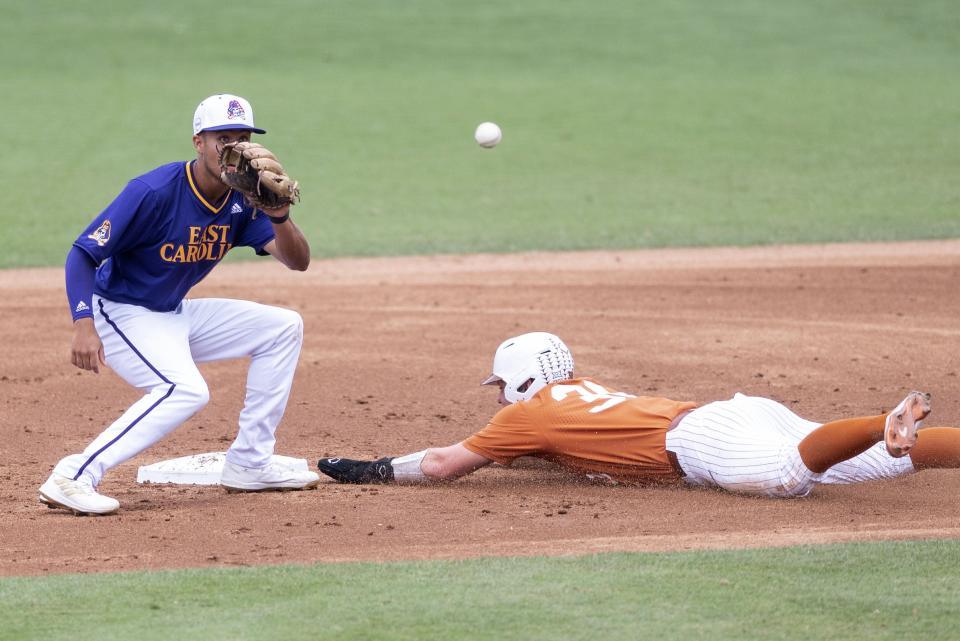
675 463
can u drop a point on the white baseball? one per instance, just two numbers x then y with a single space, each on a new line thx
488 134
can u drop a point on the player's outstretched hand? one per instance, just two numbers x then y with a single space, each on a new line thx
86 352
344 470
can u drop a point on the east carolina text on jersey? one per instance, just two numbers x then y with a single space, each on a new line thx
160 237
206 243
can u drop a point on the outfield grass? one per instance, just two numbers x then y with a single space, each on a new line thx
626 124
872 591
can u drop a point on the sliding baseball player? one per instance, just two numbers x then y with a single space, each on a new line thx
745 444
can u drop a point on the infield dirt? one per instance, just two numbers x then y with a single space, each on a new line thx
393 354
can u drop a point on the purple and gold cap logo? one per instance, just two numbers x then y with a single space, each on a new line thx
235 110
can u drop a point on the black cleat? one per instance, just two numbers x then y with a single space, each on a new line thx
344 470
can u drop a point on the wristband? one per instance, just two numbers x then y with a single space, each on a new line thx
406 469
280 220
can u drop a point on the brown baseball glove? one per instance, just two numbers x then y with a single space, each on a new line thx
253 170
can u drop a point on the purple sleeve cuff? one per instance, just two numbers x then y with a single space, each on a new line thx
80 271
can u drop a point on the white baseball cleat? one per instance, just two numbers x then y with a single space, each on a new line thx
78 496
900 430
236 478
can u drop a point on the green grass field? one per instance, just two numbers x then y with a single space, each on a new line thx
626 124
879 591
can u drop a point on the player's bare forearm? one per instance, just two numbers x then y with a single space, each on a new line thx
294 251
449 463
289 245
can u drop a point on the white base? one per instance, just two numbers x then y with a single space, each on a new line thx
200 469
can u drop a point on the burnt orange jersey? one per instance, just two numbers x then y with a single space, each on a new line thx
584 426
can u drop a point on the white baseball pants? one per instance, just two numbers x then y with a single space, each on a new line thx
749 444
157 352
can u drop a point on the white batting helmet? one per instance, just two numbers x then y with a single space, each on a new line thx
538 357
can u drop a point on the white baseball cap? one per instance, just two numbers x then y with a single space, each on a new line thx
224 111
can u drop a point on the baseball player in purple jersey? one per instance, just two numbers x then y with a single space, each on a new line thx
127 275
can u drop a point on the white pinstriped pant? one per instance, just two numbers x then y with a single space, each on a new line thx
749 444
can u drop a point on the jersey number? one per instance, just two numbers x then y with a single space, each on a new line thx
590 392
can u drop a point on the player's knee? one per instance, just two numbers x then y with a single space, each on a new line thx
297 323
193 392
292 325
